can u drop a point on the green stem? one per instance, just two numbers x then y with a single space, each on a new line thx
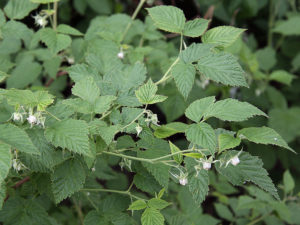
142 113
113 191
79 211
55 7
165 76
143 159
136 11
258 219
53 116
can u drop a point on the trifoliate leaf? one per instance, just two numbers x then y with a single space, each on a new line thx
263 135
137 205
202 134
66 29
168 18
232 110
146 94
184 76
86 89
223 68
170 129
227 141
222 36
5 162
18 9
198 181
250 168
17 138
174 149
67 179
152 216
157 203
195 28
71 134
197 109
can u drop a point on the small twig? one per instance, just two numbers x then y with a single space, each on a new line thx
18 184
59 74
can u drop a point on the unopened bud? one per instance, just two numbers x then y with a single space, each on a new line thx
206 165
138 130
121 55
235 160
183 181
17 116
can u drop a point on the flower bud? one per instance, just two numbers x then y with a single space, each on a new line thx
17 116
206 165
138 130
235 160
31 119
121 55
183 181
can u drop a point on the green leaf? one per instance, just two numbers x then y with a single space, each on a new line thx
158 170
152 216
3 76
25 73
18 9
108 133
44 1
174 149
5 162
288 182
250 168
66 29
103 103
266 58
227 141
195 52
146 94
52 66
195 28
157 203
202 134
223 68
223 211
67 179
2 194
71 134
288 27
197 109
168 18
55 42
184 76
282 76
86 89
19 211
17 138
232 110
197 181
138 205
170 129
263 135
222 36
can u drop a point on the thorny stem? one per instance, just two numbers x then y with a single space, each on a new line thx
113 191
136 11
55 7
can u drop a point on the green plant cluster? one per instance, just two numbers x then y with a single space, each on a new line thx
81 137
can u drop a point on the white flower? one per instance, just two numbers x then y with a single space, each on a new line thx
93 169
17 165
138 130
31 119
17 116
183 181
206 165
121 55
40 20
235 160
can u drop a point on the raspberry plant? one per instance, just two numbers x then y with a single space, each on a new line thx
57 150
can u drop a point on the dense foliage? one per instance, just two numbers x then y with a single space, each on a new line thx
106 119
